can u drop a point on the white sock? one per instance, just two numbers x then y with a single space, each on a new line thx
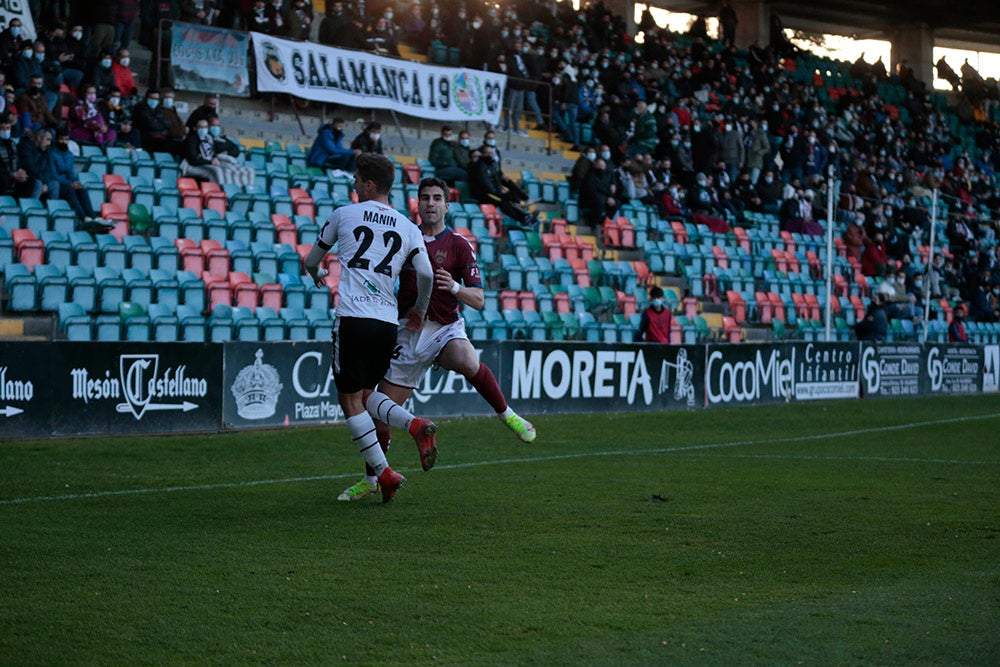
509 412
371 480
362 430
384 409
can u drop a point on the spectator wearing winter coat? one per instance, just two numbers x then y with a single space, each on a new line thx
855 237
731 151
442 155
645 136
33 155
33 107
328 150
875 259
64 182
758 150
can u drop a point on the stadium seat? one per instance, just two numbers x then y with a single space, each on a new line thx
74 322
110 289
53 287
296 323
135 321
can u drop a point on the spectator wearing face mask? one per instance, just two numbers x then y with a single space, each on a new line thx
87 124
177 131
489 186
600 196
757 151
122 73
566 96
369 141
463 150
490 139
203 158
209 109
13 178
855 237
33 107
119 119
25 68
224 146
442 156
278 24
69 50
65 184
152 126
656 321
328 150
10 43
580 168
101 77
769 191
704 146
956 330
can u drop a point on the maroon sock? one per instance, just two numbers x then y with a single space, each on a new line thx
486 384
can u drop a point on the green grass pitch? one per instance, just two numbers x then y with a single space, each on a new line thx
854 532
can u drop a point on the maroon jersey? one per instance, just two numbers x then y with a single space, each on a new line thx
451 252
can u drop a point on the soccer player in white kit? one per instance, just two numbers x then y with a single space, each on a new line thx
373 242
442 340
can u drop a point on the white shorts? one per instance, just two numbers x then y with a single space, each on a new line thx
416 350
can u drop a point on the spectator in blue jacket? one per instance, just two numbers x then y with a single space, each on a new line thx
328 151
64 183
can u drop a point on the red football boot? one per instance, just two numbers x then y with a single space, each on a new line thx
423 431
389 482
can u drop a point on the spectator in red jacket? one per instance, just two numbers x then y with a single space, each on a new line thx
122 72
875 259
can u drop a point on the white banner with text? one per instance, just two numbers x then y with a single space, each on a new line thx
358 79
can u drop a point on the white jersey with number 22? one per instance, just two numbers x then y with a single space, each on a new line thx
373 242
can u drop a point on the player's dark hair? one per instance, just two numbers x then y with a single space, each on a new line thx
377 168
432 182
655 292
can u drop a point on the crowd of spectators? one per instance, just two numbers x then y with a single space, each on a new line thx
73 84
709 133
685 123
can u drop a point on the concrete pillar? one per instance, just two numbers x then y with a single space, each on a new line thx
914 43
753 22
627 9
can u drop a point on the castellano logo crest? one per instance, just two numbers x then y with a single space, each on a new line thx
468 93
256 389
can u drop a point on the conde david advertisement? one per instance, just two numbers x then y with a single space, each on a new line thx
358 79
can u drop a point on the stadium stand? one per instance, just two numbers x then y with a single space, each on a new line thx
735 241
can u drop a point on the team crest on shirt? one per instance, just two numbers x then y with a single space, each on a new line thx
440 257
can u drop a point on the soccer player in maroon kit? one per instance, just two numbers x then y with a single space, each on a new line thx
443 339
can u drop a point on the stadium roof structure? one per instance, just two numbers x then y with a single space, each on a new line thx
954 23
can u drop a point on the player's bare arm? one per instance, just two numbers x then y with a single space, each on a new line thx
470 296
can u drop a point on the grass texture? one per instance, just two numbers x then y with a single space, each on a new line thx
855 532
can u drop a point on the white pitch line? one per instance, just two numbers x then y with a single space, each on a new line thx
815 457
536 459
